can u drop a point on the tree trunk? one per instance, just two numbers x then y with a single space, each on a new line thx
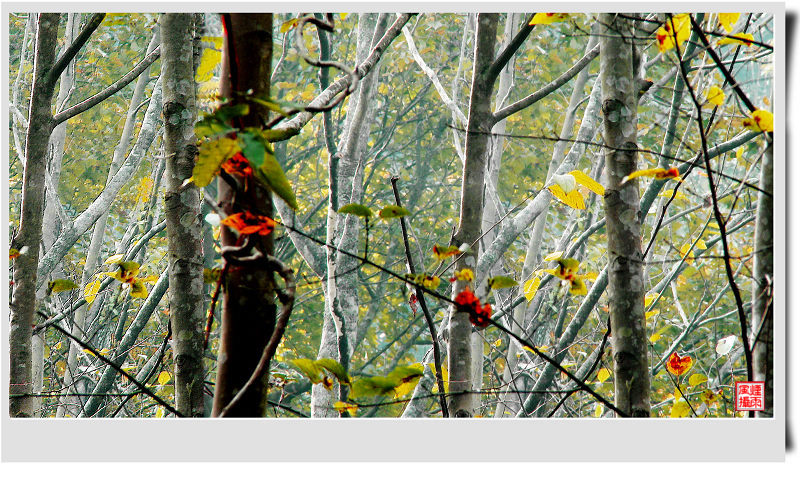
625 280
184 229
23 304
248 305
761 319
459 352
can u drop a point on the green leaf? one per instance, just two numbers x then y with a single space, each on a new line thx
308 368
393 212
373 386
61 285
697 378
212 154
229 111
502 281
252 146
335 368
271 174
403 374
210 126
356 209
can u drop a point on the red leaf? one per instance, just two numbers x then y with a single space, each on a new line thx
246 223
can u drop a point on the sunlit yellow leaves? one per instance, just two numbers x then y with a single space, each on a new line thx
114 259
687 254
728 20
502 282
598 410
13 253
759 120
529 288
289 24
745 39
211 156
138 290
209 59
715 95
464 275
578 287
657 173
164 377
91 290
603 374
678 365
247 223
427 281
565 188
548 18
342 407
697 378
678 27
554 256
680 409
61 285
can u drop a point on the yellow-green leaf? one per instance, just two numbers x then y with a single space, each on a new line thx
342 407
208 61
502 281
583 179
309 368
271 173
335 368
697 378
211 156
114 259
554 256
680 409
356 209
138 290
598 410
61 285
393 212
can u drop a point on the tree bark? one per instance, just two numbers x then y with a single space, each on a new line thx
23 304
459 350
186 304
248 305
761 319
621 202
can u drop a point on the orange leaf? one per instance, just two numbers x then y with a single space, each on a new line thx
678 365
443 252
658 173
237 165
246 223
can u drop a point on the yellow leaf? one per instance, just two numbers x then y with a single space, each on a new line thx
61 368
728 20
160 412
677 27
61 285
648 299
573 199
655 337
208 62
288 25
658 173
603 374
138 290
578 287
554 256
502 281
759 120
598 410
445 378
680 409
465 275
697 378
701 245
586 181
211 156
745 39
548 18
114 259
715 95
651 314
345 407
498 343
164 377
687 254
530 287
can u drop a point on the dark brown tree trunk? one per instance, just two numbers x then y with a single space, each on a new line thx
625 276
182 210
23 302
248 306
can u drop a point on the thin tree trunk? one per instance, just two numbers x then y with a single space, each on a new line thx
184 230
23 304
459 355
625 279
761 319
248 305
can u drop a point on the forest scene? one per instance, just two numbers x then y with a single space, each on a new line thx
397 215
